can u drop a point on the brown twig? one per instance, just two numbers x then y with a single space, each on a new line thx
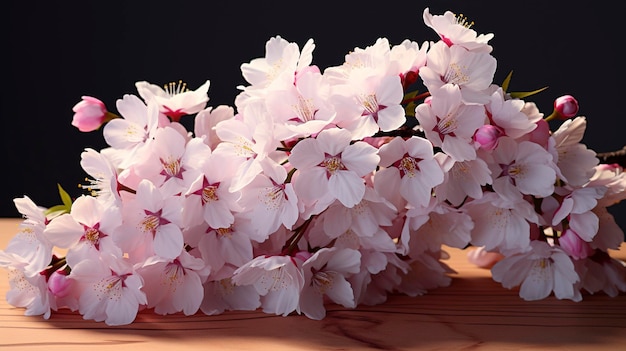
618 157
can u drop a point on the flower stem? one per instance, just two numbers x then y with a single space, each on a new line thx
416 97
295 238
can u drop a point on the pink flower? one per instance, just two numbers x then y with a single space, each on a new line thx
277 279
325 275
110 290
574 245
487 136
566 106
455 29
539 271
330 167
89 114
59 284
410 170
175 100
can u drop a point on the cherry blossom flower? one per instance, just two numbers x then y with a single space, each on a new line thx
453 228
574 245
103 182
128 135
508 115
173 286
501 225
609 235
601 272
472 71
90 113
247 139
539 272
410 170
30 242
523 168
208 198
575 161
487 136
565 106
175 100
325 277
462 179
151 224
613 177
279 281
456 30
207 119
27 291
301 109
371 60
426 271
230 245
279 68
331 167
364 219
170 162
222 295
408 57
369 102
86 231
110 290
450 124
269 202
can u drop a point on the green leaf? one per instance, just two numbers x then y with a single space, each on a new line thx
57 210
409 109
65 197
507 80
521 95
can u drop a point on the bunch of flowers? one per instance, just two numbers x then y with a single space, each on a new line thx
337 186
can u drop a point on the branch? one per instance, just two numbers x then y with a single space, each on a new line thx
618 156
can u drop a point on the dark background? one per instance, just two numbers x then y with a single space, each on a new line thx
56 51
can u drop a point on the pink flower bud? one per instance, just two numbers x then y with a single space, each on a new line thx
566 106
89 114
59 284
303 255
487 136
576 247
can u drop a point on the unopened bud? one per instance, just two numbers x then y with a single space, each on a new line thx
487 136
574 246
59 284
89 114
566 107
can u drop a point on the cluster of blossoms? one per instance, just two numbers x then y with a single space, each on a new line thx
337 186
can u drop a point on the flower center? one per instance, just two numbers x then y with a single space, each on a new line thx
322 281
224 232
172 168
332 164
456 74
209 193
175 88
173 275
110 287
272 196
304 110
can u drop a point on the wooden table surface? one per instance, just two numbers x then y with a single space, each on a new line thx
473 313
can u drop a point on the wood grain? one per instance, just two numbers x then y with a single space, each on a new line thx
474 313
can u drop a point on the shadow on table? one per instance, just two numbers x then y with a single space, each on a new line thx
471 312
